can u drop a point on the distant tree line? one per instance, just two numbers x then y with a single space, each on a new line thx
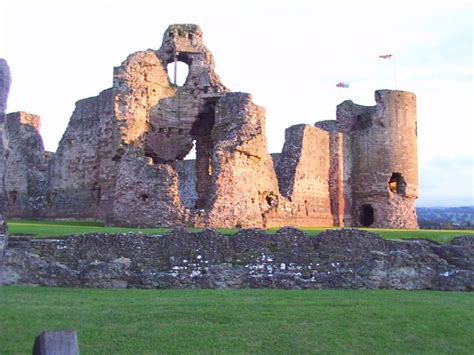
446 217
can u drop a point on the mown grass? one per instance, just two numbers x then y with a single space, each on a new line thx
240 321
58 228
437 235
49 228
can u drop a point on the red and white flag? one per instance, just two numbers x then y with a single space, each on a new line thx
386 56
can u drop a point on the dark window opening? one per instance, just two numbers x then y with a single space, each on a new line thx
206 119
397 184
118 154
366 215
362 121
51 197
96 192
178 72
269 200
13 196
154 158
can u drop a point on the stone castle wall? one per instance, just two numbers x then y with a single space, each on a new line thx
244 184
120 159
5 81
27 167
75 168
303 178
251 258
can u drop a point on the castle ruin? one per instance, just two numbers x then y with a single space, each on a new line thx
121 156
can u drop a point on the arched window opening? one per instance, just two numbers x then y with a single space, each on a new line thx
366 215
178 72
397 184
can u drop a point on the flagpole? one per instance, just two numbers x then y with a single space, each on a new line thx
395 72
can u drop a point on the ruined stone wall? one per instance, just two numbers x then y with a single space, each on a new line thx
146 194
380 143
244 184
251 258
5 81
120 157
303 175
139 84
336 171
167 121
27 169
74 190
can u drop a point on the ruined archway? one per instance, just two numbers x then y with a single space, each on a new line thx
201 133
366 217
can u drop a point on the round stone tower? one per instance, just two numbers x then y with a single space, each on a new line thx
381 163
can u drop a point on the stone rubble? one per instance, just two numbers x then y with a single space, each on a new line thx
346 258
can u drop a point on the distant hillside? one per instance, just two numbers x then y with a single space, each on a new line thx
446 217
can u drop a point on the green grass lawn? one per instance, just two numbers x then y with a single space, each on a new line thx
240 321
48 228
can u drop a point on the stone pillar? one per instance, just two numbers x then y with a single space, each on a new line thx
203 170
244 184
4 88
336 170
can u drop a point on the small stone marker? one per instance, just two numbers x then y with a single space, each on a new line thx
62 342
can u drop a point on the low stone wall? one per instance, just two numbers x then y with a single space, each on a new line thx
251 258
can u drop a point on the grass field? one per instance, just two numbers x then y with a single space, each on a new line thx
240 321
48 228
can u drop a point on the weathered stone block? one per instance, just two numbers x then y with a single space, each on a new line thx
62 342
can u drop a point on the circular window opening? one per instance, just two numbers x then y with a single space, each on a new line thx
366 215
178 72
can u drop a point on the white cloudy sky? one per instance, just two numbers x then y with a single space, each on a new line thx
289 55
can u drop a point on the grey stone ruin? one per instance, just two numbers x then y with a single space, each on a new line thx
63 342
5 80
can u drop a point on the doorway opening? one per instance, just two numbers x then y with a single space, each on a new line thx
366 218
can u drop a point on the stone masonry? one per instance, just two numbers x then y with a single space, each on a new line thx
380 144
26 179
121 157
5 81
288 259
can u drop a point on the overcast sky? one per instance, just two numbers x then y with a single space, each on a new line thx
288 55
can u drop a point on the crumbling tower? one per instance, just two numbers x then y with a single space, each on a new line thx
380 161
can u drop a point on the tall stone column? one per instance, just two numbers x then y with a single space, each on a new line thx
4 88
